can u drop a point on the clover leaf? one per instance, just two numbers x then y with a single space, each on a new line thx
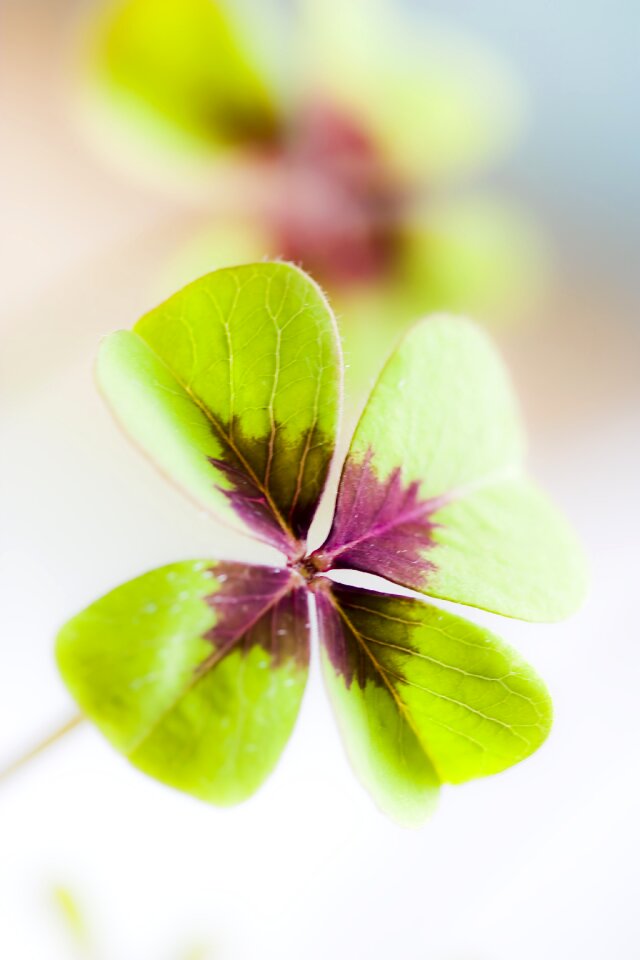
195 671
440 503
233 387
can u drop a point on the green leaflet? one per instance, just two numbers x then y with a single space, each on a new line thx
194 671
233 388
177 65
441 433
425 697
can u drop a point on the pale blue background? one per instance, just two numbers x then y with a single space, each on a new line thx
580 60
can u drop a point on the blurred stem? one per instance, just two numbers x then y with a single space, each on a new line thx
16 765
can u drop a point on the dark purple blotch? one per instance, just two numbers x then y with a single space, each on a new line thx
274 483
368 635
347 655
259 606
380 526
250 503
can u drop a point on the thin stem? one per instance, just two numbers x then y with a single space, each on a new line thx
39 748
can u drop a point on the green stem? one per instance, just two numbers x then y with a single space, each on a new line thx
40 747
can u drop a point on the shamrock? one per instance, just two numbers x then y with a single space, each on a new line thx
195 671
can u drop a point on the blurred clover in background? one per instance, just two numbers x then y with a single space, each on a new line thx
347 137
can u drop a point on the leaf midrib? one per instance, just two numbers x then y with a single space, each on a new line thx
384 674
394 696
204 668
431 506
225 437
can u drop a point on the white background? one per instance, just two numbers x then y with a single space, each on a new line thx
541 861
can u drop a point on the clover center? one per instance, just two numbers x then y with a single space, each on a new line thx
305 567
309 567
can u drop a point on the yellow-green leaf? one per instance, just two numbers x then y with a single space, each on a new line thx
232 386
194 671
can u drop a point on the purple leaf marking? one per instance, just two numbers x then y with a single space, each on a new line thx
258 606
349 650
380 526
346 655
251 504
274 486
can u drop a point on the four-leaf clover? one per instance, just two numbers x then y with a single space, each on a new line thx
195 671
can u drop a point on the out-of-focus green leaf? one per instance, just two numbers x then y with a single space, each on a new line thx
179 67
233 387
424 697
194 671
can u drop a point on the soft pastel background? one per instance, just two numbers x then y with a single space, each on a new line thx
541 861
